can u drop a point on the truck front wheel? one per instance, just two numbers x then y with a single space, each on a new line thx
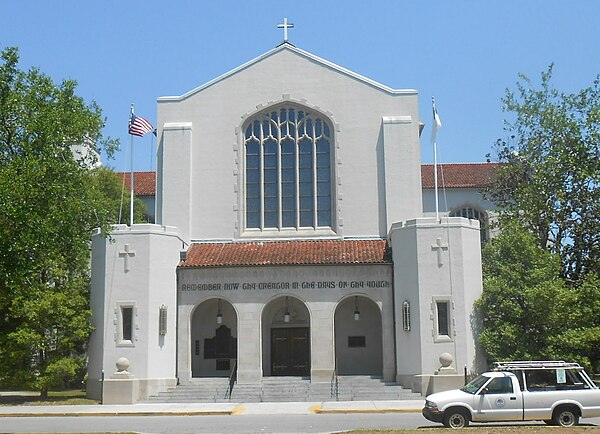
456 418
565 416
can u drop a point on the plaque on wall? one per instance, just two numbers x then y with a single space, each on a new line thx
222 346
357 342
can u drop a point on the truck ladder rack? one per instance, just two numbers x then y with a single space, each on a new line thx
535 364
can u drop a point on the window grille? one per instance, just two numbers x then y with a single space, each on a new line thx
406 316
162 320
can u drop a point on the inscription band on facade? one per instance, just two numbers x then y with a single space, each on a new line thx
261 286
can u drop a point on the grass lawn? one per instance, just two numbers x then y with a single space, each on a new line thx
64 397
483 429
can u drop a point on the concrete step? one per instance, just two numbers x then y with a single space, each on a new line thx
199 390
286 389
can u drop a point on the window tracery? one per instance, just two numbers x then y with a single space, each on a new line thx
288 170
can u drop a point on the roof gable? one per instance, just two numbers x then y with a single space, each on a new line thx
286 46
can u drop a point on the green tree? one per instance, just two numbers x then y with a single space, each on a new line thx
579 338
521 285
50 201
550 179
528 312
115 197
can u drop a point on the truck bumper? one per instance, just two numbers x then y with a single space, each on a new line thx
432 415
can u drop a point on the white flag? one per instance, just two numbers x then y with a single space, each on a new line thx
437 122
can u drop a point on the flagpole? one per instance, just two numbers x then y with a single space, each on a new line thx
435 181
152 153
435 173
131 162
138 126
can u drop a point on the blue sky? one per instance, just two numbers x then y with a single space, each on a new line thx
465 53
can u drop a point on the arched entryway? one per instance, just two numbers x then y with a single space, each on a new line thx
286 337
358 337
213 338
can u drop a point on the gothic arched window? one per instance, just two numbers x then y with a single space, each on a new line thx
475 214
288 170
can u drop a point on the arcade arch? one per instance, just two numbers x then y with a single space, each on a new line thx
358 337
286 337
213 335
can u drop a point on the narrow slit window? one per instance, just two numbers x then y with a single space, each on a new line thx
127 323
443 318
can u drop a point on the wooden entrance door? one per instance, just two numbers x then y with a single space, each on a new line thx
290 351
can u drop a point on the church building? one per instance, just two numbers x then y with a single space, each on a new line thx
294 236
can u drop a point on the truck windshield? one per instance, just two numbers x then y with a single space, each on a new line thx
475 385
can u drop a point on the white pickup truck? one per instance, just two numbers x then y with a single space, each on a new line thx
556 392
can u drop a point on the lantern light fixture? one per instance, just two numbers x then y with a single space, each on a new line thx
286 315
219 314
356 311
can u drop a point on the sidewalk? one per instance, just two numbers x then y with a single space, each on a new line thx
193 409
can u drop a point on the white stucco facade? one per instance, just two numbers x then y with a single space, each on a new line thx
134 269
375 127
314 310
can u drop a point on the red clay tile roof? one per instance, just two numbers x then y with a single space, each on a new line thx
459 175
144 183
314 252
456 175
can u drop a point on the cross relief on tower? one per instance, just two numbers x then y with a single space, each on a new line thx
440 247
126 253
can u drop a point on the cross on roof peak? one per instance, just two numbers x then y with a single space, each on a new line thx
285 26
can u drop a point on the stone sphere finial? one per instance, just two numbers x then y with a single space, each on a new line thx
446 360
122 364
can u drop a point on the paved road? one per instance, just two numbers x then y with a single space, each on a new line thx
243 423
263 418
295 423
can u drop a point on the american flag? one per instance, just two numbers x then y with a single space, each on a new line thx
138 126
